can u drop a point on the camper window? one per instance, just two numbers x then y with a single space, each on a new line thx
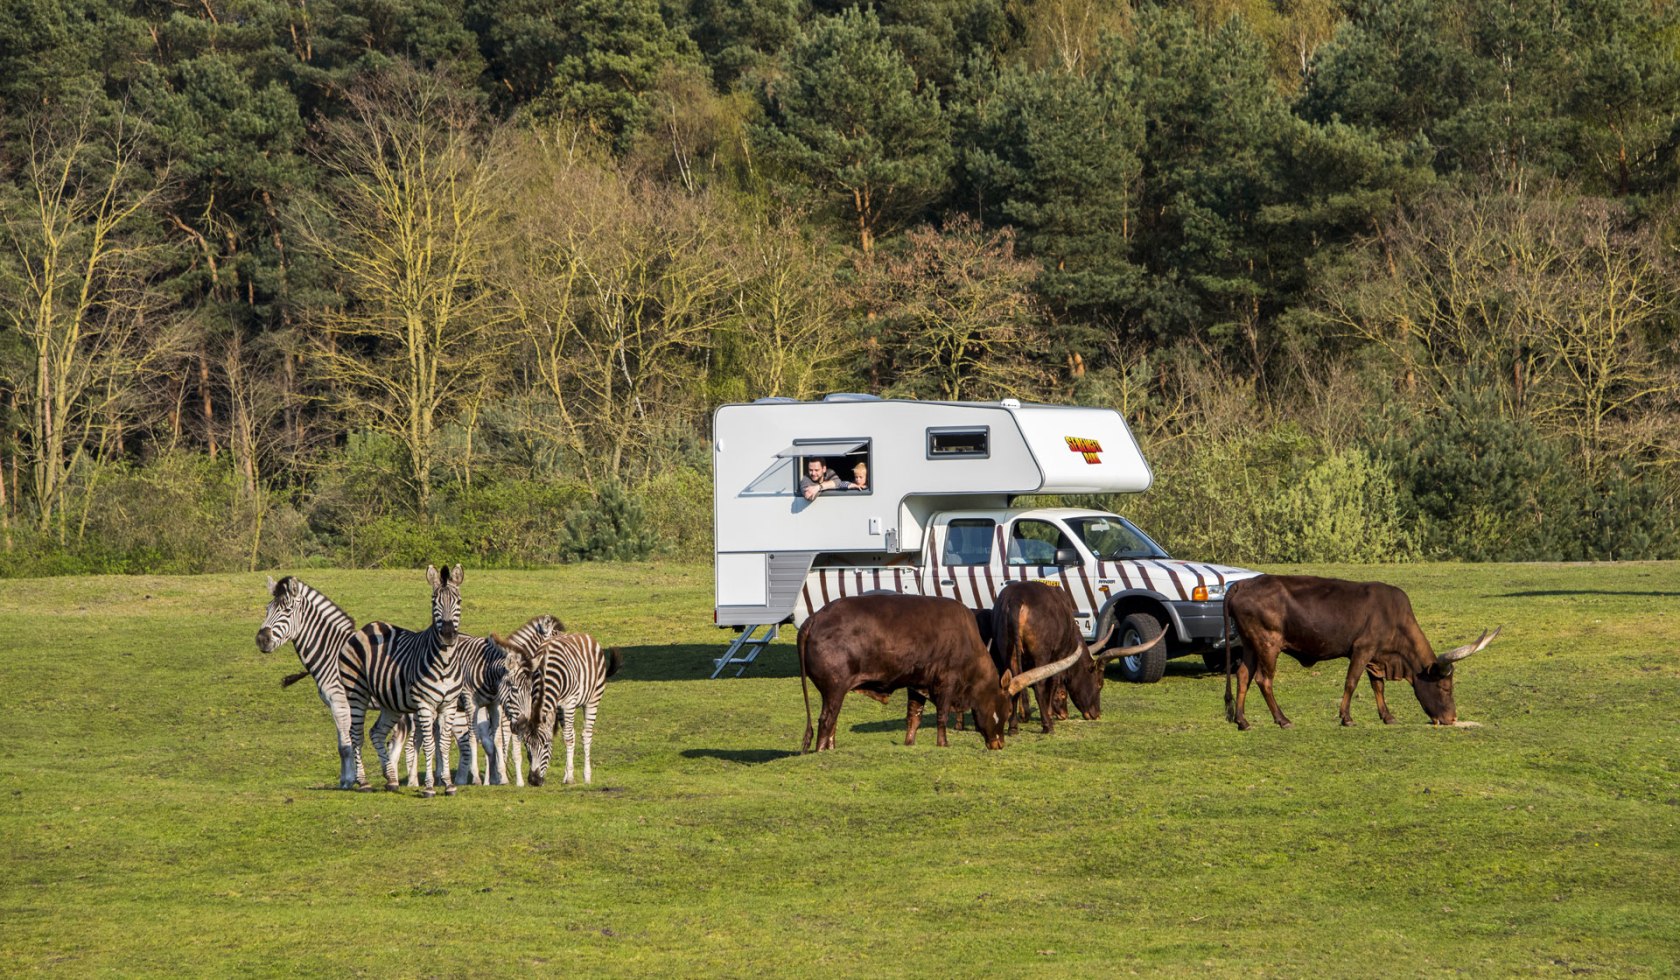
968 541
783 475
966 443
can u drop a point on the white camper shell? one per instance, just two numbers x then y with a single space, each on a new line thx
934 516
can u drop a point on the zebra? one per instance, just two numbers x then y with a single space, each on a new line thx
494 688
568 672
317 628
408 673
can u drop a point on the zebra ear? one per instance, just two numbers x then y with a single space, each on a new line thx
432 577
271 584
456 575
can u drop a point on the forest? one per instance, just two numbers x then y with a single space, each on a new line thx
373 283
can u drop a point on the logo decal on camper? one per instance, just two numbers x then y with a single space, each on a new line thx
1089 448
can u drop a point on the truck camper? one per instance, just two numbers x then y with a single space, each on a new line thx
934 510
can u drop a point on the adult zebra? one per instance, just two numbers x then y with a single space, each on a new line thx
317 627
494 682
407 672
567 673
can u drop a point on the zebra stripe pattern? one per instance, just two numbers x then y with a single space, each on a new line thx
406 673
568 673
495 694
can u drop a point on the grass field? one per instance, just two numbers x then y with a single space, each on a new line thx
166 807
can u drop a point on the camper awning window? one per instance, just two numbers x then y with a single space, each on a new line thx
833 447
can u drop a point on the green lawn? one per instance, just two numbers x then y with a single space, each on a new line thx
167 807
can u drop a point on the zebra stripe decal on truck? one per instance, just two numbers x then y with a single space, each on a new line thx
977 586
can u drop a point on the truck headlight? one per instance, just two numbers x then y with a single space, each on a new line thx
1207 593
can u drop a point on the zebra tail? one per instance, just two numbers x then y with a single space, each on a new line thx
615 660
291 679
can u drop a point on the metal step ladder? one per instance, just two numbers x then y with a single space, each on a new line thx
746 648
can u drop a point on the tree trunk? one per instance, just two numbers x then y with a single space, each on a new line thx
204 400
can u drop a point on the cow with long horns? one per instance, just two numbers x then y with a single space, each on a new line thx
878 644
1034 624
1315 619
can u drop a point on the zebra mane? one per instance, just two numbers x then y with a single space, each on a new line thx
521 639
318 600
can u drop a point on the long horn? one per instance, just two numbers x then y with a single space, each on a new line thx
1129 651
1459 653
1030 677
1101 642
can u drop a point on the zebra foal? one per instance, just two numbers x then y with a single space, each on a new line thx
494 685
568 672
409 673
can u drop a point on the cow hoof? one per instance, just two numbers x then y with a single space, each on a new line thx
1286 724
1243 725
1347 722
1388 719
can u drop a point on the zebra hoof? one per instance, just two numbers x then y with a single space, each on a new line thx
427 794
391 787
449 791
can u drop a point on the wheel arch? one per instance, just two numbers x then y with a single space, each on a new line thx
1123 604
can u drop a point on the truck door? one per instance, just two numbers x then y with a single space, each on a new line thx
1039 550
963 561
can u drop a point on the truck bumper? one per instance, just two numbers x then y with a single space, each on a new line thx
1201 624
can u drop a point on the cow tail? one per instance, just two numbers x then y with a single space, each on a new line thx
1225 634
804 689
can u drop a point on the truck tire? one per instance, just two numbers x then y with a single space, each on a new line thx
1214 660
1149 666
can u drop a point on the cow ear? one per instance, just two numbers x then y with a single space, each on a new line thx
1005 680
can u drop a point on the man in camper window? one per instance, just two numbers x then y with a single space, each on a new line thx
818 477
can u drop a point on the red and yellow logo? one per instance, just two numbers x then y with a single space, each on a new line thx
1089 448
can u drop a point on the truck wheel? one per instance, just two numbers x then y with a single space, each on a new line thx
1214 660
1146 667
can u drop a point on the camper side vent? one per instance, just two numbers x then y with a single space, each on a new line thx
971 442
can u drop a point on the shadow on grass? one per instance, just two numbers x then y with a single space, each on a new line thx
696 661
745 757
1542 593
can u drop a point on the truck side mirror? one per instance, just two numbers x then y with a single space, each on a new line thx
1068 556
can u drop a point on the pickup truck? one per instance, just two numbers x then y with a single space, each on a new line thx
1115 574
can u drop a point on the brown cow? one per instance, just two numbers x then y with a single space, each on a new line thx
1034 625
1314 619
877 644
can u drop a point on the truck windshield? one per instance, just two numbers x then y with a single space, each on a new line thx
1113 538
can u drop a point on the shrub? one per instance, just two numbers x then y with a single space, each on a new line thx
1483 486
514 523
178 513
611 527
679 509
1344 509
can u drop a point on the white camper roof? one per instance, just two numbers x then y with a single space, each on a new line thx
918 452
